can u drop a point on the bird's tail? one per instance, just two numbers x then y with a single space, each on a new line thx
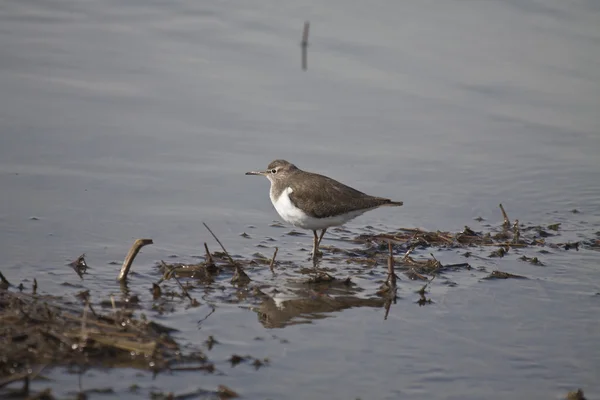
394 203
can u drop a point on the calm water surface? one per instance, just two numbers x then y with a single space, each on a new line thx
121 120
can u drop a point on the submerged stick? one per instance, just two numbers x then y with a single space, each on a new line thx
506 223
304 45
273 260
135 249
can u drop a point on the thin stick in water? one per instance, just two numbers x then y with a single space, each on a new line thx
516 232
273 260
220 244
135 249
83 338
304 45
506 223
172 274
209 259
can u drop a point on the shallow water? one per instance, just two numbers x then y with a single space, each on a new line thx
139 119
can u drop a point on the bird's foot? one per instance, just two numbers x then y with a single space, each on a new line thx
316 254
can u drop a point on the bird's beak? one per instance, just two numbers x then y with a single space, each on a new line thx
256 173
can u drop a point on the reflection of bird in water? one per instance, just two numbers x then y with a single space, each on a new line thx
287 310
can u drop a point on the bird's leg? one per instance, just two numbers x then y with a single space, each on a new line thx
315 245
316 242
321 236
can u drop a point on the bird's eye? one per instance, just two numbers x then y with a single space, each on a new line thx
273 171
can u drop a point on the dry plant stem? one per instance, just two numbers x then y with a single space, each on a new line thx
273 260
304 45
112 302
504 244
427 284
418 275
516 232
83 337
135 249
209 258
173 275
441 236
4 281
213 309
391 272
387 306
407 253
506 223
91 308
220 244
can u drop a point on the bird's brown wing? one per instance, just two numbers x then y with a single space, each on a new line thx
321 197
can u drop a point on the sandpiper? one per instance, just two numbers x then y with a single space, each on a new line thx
315 202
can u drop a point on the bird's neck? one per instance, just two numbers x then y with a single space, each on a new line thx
277 189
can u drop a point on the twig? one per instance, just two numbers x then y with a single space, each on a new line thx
137 245
391 272
422 290
506 223
459 265
418 275
437 263
387 305
504 244
156 291
209 259
79 266
239 275
389 288
516 232
273 260
220 244
407 253
4 283
83 338
114 305
211 267
304 45
208 315
173 275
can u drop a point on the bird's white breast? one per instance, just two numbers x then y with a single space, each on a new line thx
295 216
